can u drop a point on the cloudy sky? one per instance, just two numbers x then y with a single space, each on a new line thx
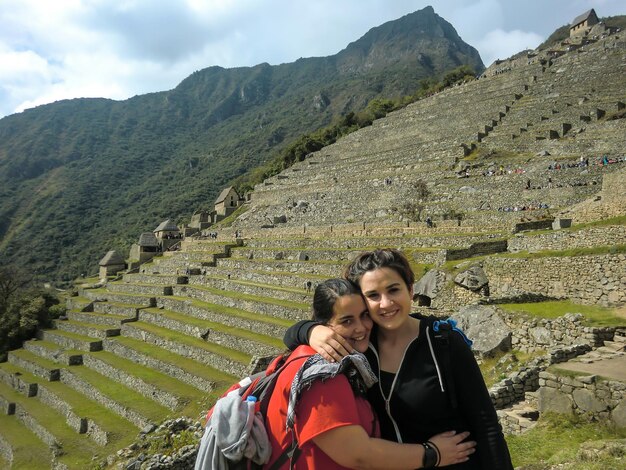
57 49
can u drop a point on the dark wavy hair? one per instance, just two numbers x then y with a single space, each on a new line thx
326 295
380 258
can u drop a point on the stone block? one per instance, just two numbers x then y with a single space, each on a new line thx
587 401
551 400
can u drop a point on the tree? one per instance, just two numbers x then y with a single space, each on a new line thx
23 308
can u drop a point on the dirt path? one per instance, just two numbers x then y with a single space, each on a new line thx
614 368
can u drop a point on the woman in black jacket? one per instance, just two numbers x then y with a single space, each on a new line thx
429 381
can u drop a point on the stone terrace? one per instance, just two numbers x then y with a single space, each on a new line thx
369 175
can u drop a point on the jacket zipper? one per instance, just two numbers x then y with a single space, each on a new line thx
393 384
432 353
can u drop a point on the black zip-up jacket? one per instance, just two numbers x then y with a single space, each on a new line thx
420 405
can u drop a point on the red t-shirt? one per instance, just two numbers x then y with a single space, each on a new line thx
325 406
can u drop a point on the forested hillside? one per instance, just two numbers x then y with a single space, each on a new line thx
80 177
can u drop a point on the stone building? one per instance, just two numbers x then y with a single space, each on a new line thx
111 264
146 249
583 23
226 202
167 234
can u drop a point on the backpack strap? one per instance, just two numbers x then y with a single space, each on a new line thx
292 453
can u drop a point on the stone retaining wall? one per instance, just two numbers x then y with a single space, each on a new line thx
18 384
187 307
568 239
42 433
257 306
173 371
583 395
88 390
203 356
211 335
591 280
74 421
514 387
55 355
149 391
6 451
6 407
34 368
532 334
263 291
69 343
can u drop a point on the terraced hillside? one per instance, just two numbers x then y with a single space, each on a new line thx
163 340
515 124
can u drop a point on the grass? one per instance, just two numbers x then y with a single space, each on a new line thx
454 266
236 312
596 250
240 332
182 338
123 395
620 220
556 439
186 393
494 369
253 298
594 314
189 365
28 450
78 449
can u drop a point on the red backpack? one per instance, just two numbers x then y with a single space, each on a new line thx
258 388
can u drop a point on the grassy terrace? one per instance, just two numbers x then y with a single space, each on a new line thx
84 326
240 332
235 312
185 392
30 357
181 338
290 274
253 298
55 348
594 315
72 336
189 365
242 282
29 451
78 448
455 265
559 438
405 237
218 292
120 430
121 394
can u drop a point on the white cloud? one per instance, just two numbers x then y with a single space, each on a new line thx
499 44
51 50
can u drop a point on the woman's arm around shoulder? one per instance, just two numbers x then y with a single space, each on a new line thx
330 345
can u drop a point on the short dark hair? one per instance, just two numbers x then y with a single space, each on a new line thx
326 295
380 258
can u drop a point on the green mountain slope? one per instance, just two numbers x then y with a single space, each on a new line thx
80 177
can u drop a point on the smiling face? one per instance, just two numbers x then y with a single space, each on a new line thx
387 296
352 321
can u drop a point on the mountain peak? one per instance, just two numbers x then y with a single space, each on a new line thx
422 37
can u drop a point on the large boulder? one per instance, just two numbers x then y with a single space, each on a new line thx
485 328
473 278
430 284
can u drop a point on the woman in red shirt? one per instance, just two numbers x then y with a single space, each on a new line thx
334 425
